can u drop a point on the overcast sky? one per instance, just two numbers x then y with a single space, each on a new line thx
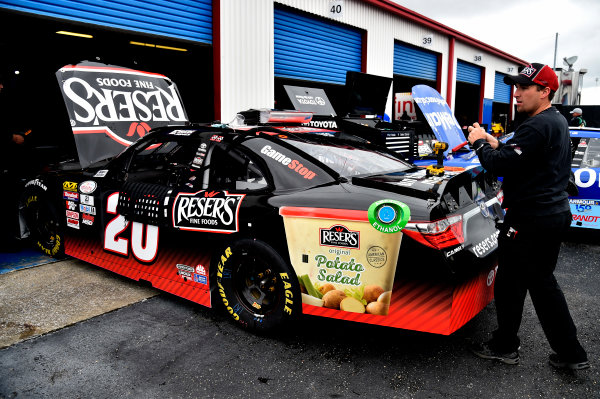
527 29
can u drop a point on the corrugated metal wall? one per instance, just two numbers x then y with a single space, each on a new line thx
414 62
185 19
502 91
468 73
311 48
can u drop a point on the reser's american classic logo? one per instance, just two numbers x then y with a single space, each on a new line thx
214 211
339 236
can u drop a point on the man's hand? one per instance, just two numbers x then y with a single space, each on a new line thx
476 132
18 139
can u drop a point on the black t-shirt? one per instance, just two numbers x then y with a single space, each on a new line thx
535 164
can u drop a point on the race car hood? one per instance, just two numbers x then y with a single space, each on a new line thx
110 107
442 121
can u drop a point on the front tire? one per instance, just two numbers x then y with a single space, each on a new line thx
258 288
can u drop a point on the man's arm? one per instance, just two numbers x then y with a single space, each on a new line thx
503 159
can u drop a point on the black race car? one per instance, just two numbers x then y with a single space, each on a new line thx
278 220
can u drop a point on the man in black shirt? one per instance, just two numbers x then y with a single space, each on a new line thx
535 165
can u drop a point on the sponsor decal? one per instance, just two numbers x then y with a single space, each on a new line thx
87 219
376 256
88 187
51 251
388 216
220 274
288 293
70 196
181 132
74 223
323 124
338 272
87 209
198 278
490 277
486 246
339 236
592 176
585 218
293 164
101 173
584 201
71 205
201 270
215 211
86 199
216 138
185 271
37 182
72 215
70 186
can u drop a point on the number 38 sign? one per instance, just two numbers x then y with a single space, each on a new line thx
336 9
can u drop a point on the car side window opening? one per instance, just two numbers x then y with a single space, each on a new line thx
232 170
159 162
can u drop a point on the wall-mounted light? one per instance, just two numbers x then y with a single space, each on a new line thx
64 32
158 46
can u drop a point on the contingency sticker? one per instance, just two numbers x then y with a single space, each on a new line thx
342 264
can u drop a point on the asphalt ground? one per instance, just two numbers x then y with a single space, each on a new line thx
166 347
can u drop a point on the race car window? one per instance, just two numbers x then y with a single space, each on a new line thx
290 170
159 162
233 170
587 153
351 161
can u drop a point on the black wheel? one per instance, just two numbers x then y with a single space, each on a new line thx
258 288
42 221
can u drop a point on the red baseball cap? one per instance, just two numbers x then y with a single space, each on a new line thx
538 74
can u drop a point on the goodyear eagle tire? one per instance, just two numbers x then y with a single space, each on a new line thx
257 287
41 218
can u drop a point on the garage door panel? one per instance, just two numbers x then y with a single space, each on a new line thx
191 20
309 48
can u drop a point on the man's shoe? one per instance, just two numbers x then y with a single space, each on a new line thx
560 363
486 350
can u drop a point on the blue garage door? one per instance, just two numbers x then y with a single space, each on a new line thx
184 19
414 62
502 91
468 73
314 49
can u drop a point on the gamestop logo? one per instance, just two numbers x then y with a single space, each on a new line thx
215 211
339 236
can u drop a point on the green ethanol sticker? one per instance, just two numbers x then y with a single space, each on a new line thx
388 216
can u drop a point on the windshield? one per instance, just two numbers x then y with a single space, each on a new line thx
351 161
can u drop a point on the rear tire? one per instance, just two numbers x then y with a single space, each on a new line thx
258 288
41 218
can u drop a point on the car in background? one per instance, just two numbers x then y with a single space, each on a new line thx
585 206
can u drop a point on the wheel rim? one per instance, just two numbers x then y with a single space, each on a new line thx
43 225
256 285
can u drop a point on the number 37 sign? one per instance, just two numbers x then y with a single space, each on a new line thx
336 9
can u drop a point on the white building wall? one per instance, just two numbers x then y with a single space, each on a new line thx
247 66
246 56
490 62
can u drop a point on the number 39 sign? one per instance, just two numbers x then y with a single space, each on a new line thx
336 9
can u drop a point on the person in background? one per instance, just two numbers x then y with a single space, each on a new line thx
11 145
535 164
577 120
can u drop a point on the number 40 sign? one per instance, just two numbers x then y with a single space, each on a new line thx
336 9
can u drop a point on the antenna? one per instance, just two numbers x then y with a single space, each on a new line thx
570 61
